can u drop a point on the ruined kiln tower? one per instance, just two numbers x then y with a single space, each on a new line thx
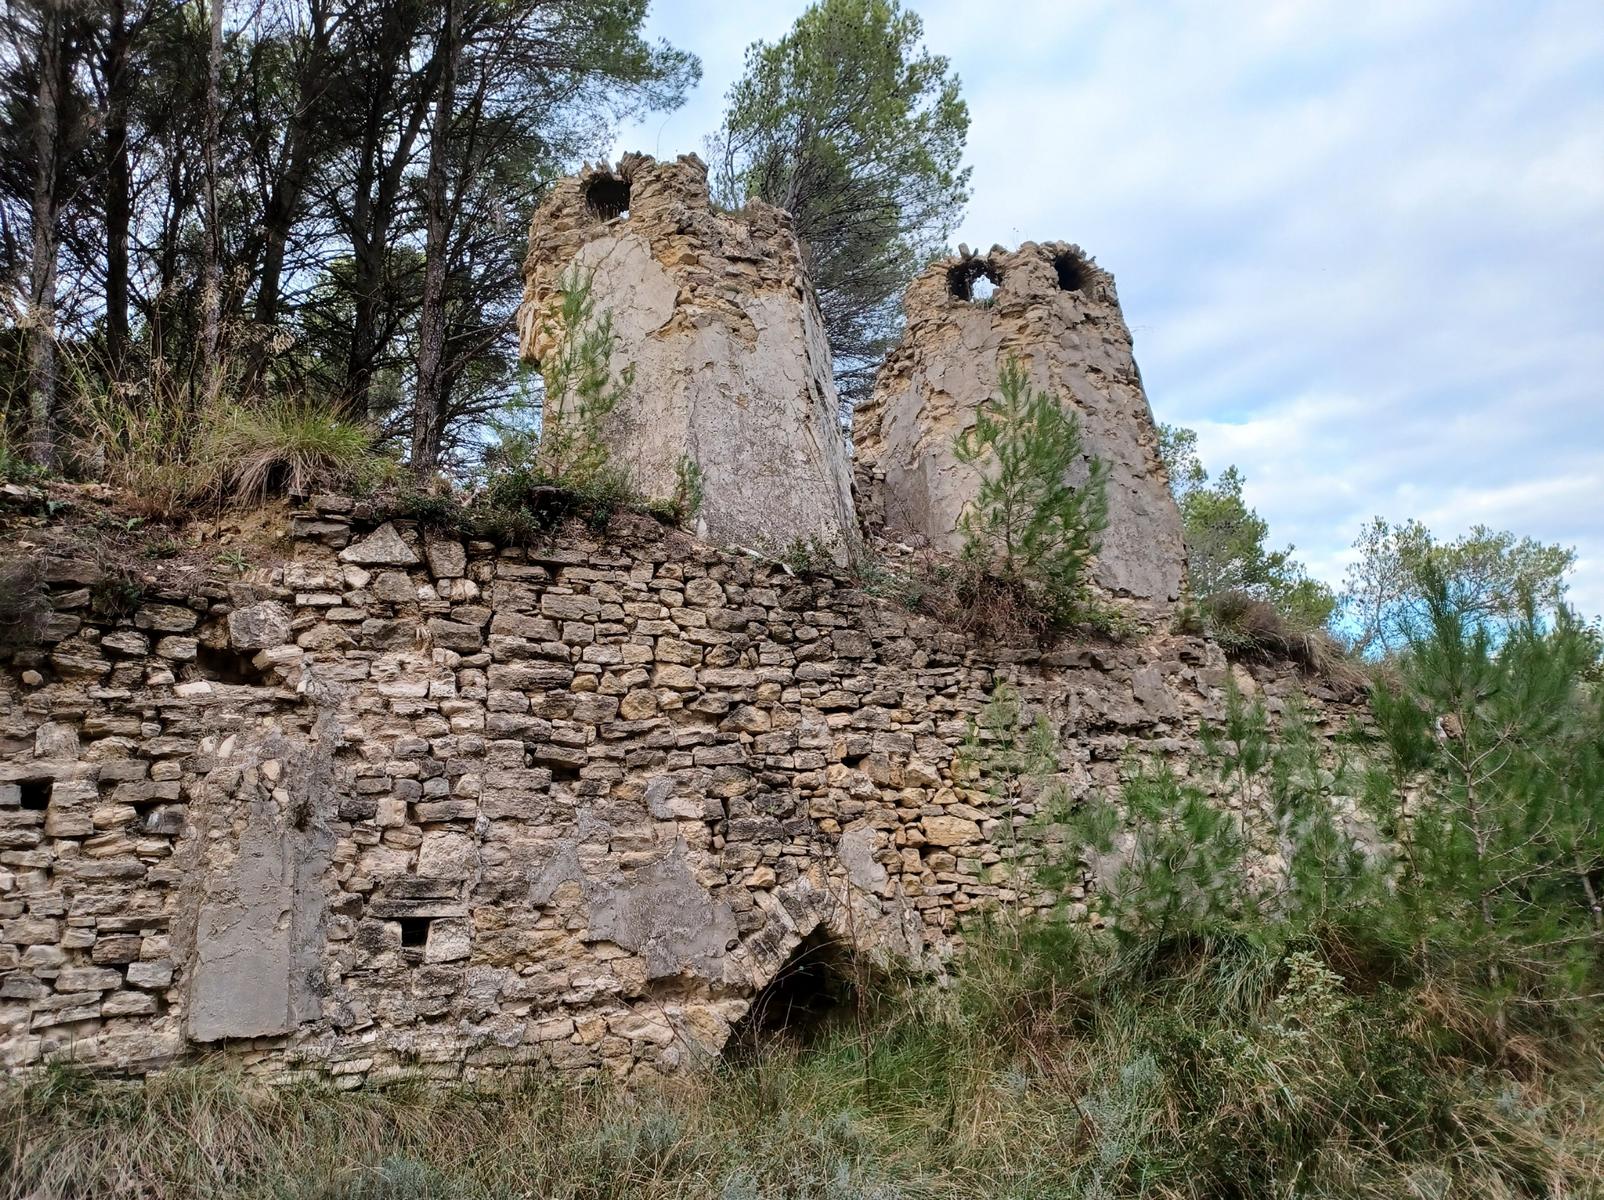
714 314
1051 307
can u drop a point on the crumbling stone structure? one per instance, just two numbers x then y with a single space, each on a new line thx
1055 310
714 313
404 804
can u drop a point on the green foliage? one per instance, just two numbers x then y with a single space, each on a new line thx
117 593
1481 849
1226 540
14 464
688 490
519 506
1491 577
1028 522
1007 756
1489 756
234 561
851 125
539 477
1184 855
811 555
168 446
288 446
581 391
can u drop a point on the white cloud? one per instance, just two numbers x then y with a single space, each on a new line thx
1360 244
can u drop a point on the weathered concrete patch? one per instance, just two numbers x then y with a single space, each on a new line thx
259 902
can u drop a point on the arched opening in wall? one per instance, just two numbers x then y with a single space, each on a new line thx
975 282
607 196
1071 273
813 992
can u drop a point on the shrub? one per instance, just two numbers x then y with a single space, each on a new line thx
581 389
1028 523
151 447
1226 540
14 464
1248 627
168 447
288 446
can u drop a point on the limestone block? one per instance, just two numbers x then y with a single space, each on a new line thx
55 739
259 626
714 313
1058 313
447 558
950 831
257 898
447 855
88 979
384 547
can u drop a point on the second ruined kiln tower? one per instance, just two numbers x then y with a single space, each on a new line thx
714 313
1056 311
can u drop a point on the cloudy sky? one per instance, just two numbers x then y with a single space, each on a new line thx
1360 243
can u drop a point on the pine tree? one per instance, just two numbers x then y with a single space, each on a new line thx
1488 780
1028 522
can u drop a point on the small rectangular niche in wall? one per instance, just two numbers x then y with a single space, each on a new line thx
414 931
35 794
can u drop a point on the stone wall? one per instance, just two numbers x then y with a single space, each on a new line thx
1057 312
714 314
401 804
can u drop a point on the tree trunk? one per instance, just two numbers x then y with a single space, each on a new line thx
42 272
284 203
380 175
118 198
212 281
427 398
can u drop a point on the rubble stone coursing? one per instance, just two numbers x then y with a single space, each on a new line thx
1058 313
404 805
714 313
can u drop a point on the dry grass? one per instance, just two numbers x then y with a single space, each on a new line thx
168 448
990 609
1250 627
1194 1068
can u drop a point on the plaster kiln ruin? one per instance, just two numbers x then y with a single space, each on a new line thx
717 321
1056 311
401 803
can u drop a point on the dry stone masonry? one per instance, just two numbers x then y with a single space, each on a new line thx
406 805
715 316
1055 310
402 804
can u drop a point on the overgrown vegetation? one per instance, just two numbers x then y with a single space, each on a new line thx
173 449
331 196
554 464
1197 1068
1032 529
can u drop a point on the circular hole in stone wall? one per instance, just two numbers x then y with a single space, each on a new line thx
975 281
1071 273
607 196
